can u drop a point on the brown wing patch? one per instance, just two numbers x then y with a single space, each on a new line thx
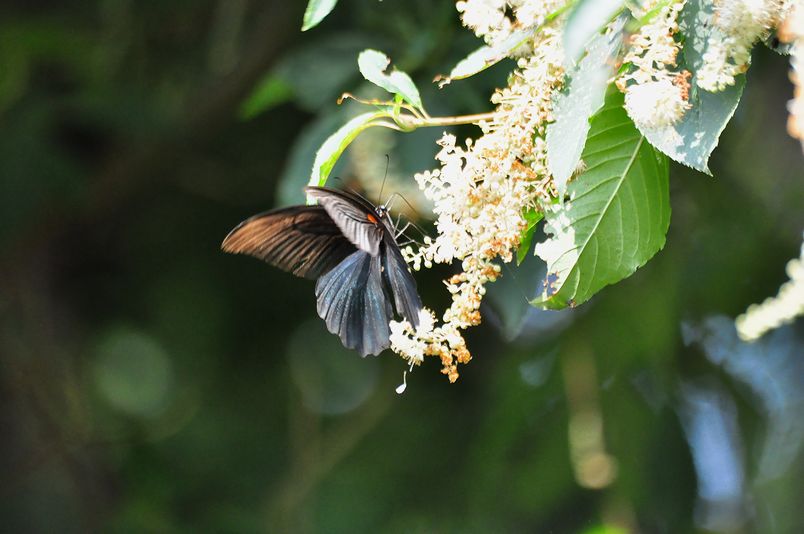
302 240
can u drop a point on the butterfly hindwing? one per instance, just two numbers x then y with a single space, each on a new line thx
403 287
355 217
354 305
377 310
302 240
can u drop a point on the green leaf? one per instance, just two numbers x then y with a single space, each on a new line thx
487 56
316 11
372 65
617 215
294 176
586 19
333 147
271 91
583 95
533 217
692 140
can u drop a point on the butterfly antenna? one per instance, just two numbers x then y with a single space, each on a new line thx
382 186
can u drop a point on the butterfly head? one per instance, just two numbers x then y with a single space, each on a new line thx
381 215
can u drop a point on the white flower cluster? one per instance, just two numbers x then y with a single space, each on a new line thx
655 95
656 104
444 342
485 17
482 188
412 347
792 31
480 192
494 20
738 24
778 310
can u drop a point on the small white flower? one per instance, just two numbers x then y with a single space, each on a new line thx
655 95
747 18
792 31
484 17
494 20
776 311
738 24
527 12
717 73
426 322
655 104
411 348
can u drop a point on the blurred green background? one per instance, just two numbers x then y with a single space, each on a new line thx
151 383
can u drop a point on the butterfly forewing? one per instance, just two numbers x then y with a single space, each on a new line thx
302 240
355 216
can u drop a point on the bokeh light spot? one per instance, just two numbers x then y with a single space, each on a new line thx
132 372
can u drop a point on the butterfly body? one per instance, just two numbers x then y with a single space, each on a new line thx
349 247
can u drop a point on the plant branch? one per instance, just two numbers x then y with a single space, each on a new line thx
409 122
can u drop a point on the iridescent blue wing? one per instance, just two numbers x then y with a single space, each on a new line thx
354 305
407 302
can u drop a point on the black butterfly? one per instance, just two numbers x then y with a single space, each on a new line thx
348 245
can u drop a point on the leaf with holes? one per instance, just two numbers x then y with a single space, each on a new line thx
616 217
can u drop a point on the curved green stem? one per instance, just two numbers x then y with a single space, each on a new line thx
416 118
408 122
